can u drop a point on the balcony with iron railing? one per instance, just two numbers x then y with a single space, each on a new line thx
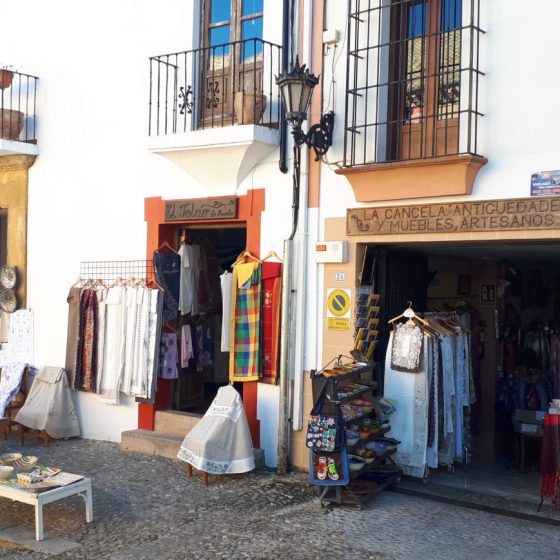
18 117
216 101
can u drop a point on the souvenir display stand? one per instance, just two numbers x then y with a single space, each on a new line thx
368 455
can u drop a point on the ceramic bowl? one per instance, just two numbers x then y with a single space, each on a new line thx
9 458
5 472
355 463
352 437
27 463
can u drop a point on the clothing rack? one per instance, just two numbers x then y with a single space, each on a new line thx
110 271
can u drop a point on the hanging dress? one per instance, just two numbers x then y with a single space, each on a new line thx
271 302
245 351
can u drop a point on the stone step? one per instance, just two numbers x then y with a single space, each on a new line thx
175 421
163 444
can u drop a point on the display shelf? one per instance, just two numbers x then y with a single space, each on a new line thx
347 495
356 492
377 461
355 395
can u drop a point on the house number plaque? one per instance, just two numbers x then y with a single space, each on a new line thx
206 209
456 217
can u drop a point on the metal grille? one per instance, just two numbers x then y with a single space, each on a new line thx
110 271
412 80
222 85
18 99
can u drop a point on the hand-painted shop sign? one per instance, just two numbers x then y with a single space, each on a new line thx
456 217
205 209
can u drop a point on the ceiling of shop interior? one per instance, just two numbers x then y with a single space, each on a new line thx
523 251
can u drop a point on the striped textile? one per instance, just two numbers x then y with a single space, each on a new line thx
245 348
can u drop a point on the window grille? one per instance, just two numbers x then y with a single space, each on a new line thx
412 80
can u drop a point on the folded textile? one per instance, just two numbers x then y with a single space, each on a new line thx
50 374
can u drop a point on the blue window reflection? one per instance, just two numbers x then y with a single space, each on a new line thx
417 19
451 14
220 10
252 29
251 7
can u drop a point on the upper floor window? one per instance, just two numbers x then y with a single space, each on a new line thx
412 80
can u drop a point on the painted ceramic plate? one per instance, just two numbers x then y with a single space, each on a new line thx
8 301
8 276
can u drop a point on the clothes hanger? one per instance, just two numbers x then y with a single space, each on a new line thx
272 254
409 314
245 255
165 245
154 285
79 283
98 282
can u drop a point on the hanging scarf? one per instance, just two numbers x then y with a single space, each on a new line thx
245 352
271 300
406 349
550 463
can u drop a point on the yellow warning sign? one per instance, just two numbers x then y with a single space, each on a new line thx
334 324
338 303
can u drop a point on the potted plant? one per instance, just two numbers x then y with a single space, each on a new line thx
6 76
249 107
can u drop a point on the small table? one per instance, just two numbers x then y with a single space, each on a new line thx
39 499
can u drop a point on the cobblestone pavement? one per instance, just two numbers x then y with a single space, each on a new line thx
146 507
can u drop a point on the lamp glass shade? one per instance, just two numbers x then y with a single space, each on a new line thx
296 87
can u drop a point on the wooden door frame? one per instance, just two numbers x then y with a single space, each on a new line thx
250 208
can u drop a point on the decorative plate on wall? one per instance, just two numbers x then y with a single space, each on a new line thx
8 302
8 276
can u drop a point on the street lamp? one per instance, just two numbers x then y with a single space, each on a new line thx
296 87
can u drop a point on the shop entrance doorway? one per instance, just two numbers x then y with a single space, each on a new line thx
208 369
508 298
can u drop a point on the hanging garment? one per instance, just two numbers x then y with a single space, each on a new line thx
154 339
271 303
73 333
196 278
409 423
113 355
555 365
199 345
221 442
167 268
550 462
49 405
226 282
141 338
186 286
433 405
169 359
245 354
130 317
87 376
406 347
186 346
101 313
10 383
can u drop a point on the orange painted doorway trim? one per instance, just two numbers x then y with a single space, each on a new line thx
250 207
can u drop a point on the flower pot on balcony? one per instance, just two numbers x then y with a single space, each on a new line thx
249 107
6 77
11 124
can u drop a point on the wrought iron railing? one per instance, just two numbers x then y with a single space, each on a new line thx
18 101
412 80
217 86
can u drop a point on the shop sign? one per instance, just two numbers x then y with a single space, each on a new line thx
456 217
204 209
545 183
338 309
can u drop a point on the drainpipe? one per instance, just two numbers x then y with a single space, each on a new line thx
297 333
282 164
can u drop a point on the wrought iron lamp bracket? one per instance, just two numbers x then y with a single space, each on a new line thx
319 136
